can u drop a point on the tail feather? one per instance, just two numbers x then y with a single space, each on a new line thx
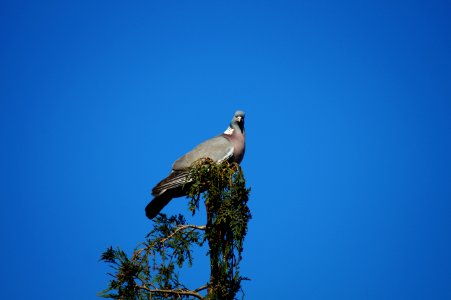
157 204
172 186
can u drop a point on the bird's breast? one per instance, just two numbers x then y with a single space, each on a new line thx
239 146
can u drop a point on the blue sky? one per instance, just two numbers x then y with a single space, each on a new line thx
348 138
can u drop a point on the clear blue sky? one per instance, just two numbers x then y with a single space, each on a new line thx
348 138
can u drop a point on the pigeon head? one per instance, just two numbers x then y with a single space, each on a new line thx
238 121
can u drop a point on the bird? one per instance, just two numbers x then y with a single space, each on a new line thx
227 146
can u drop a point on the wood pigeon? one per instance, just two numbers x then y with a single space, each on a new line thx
229 146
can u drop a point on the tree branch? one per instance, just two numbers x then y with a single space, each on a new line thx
180 228
175 292
204 287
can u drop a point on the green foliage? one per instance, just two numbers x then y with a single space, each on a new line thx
226 199
152 272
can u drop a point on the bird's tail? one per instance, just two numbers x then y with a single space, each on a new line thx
157 204
172 186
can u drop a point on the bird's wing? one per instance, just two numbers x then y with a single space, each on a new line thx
218 149
175 179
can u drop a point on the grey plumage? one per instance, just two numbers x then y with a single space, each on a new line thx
229 146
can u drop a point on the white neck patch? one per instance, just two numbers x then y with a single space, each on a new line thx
229 131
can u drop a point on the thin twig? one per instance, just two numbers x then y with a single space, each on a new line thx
182 227
204 287
175 292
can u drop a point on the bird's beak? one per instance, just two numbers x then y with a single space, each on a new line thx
239 119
